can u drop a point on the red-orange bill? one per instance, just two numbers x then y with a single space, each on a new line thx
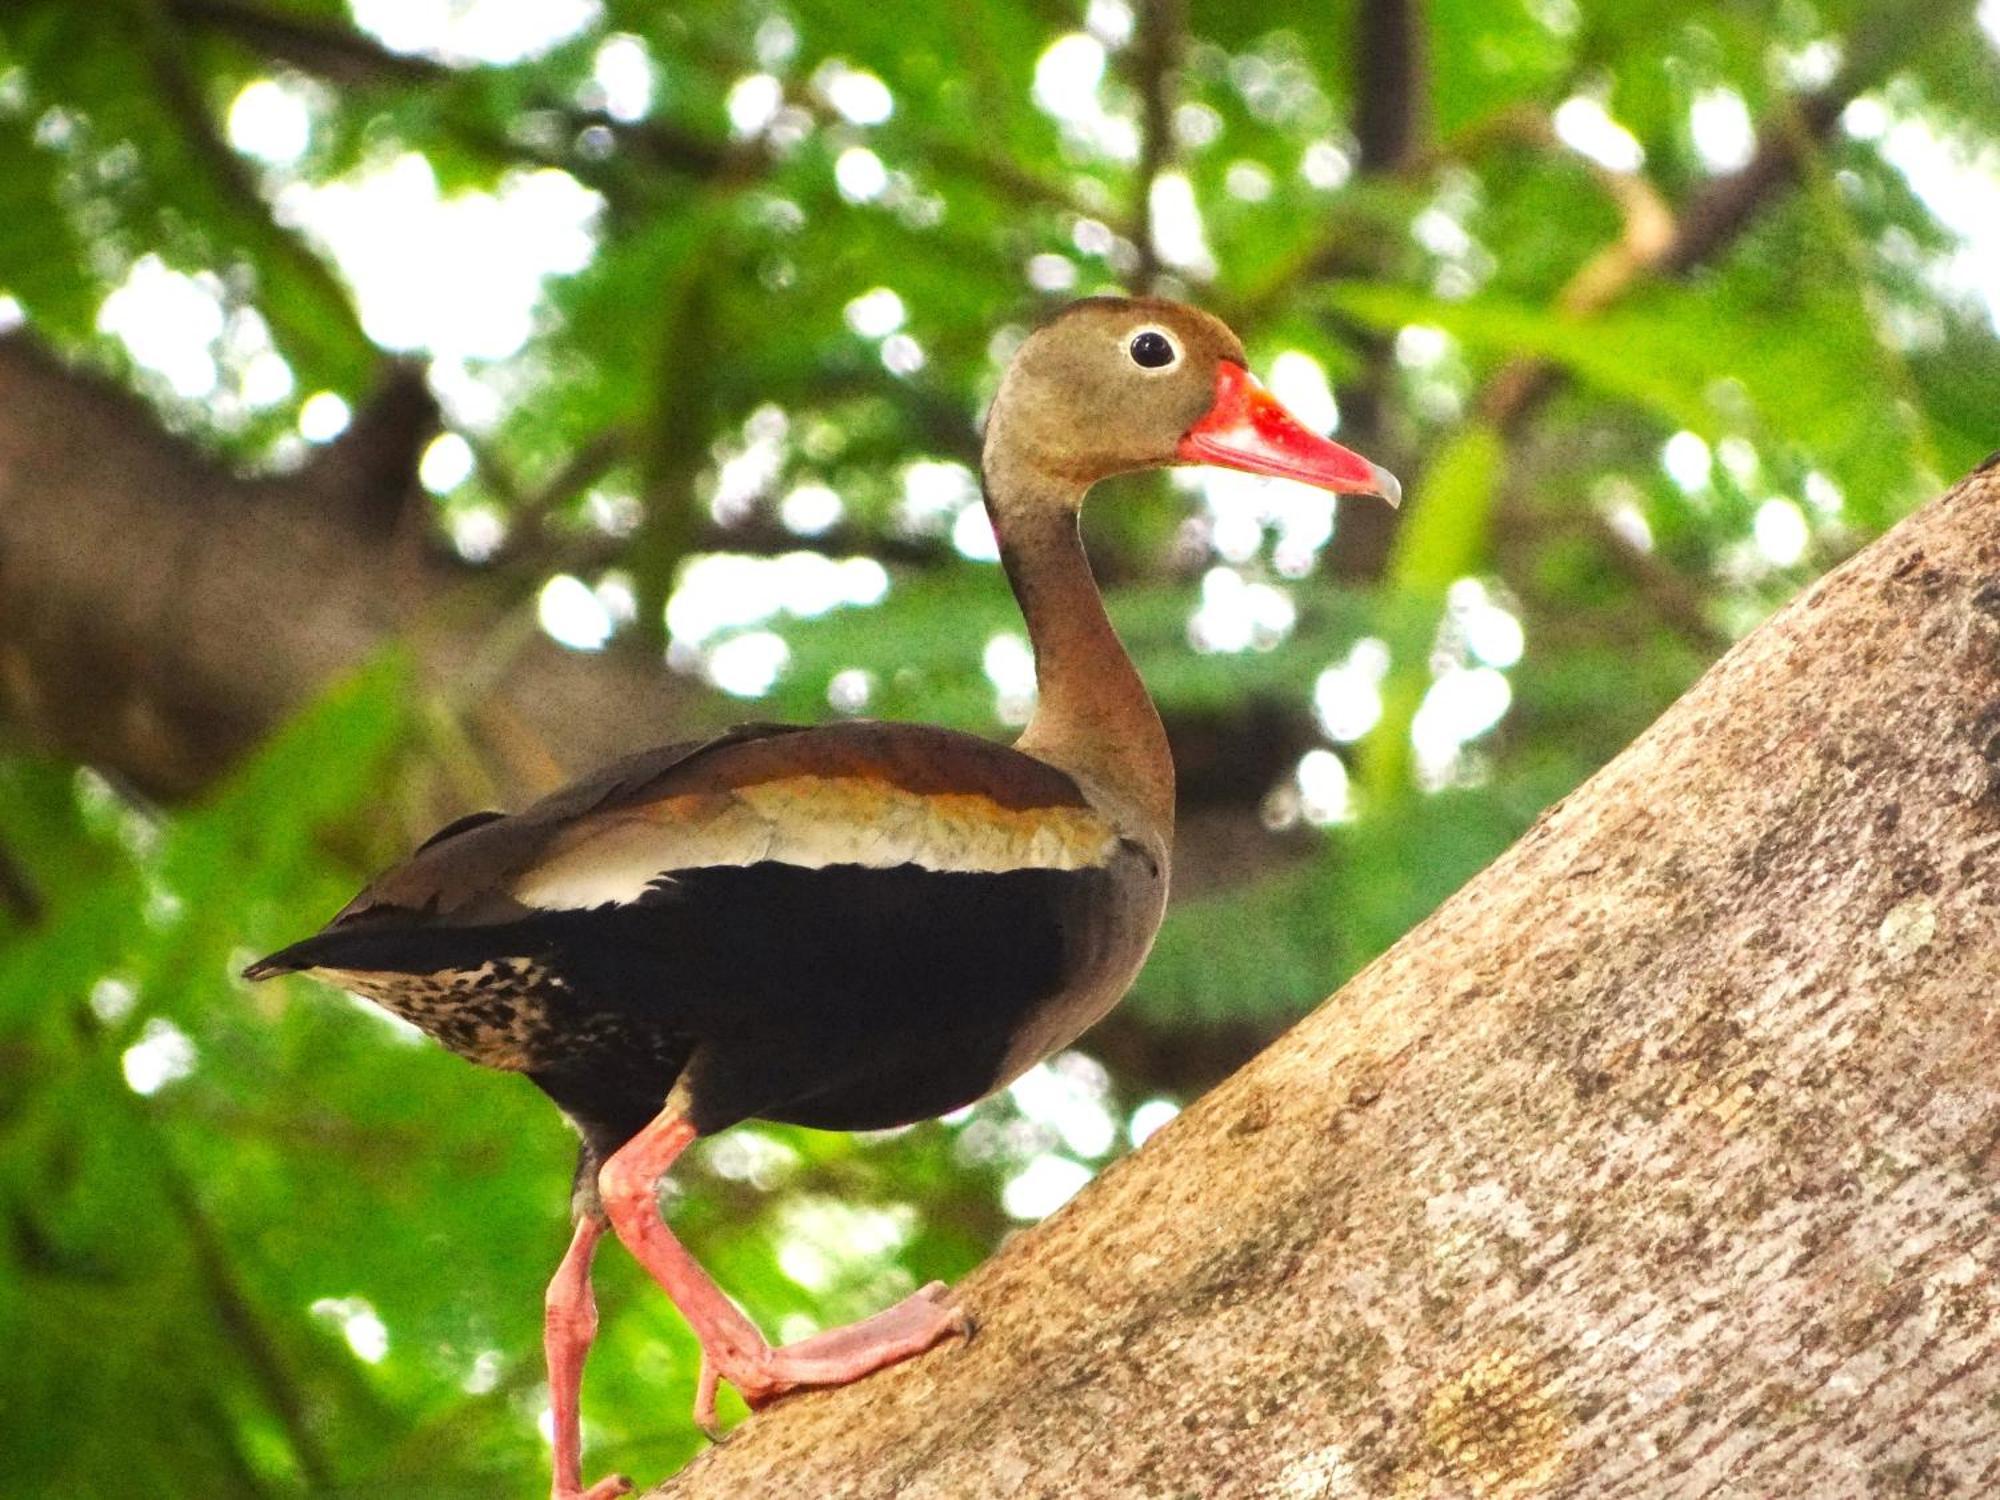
1248 428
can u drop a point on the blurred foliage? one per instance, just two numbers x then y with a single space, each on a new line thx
258 1242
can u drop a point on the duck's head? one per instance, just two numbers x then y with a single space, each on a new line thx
1113 384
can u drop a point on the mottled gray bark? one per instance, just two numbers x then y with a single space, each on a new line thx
1662 1161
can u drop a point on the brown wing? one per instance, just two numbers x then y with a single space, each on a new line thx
860 793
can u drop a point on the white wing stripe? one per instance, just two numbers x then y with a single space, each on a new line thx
812 822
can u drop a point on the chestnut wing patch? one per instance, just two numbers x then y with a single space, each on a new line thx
873 796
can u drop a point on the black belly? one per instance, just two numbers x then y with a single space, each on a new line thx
844 998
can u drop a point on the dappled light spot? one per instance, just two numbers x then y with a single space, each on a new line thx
1585 126
934 492
266 380
1325 166
1347 697
860 175
1740 460
1197 126
477 532
1420 345
856 95
1687 461
1299 380
1781 532
446 463
112 1000
751 1155
1249 181
169 322
749 468
1478 625
810 509
1723 133
323 416
1958 180
1149 1119
163 1054
902 355
875 314
623 74
1619 502
849 690
458 276
753 103
1068 1094
1067 87
1823 494
571 613
483 1375
1324 793
1237 614
366 1334
1067 75
1049 272
499 32
271 121
823 1242
1178 234
1110 21
1460 705
748 665
1010 666
722 591
1043 1186
972 535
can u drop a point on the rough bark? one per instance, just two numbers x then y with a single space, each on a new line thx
1661 1161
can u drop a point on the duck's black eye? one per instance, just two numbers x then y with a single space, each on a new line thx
1152 350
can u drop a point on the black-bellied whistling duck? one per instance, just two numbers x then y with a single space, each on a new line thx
852 926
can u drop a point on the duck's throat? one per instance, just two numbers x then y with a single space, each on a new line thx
1093 716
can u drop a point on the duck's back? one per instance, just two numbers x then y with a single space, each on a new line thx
850 926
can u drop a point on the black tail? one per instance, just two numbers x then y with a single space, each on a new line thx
392 947
333 949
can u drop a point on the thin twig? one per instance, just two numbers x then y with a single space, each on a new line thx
347 58
17 891
1706 227
529 511
166 54
237 1318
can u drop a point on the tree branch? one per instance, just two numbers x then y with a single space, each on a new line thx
346 58
1657 1161
1155 57
271 592
236 190
1388 83
1655 244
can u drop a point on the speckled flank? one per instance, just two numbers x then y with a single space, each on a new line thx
507 1013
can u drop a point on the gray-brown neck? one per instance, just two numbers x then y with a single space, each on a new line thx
1093 716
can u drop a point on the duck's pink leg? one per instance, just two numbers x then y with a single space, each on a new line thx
731 1347
569 1323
